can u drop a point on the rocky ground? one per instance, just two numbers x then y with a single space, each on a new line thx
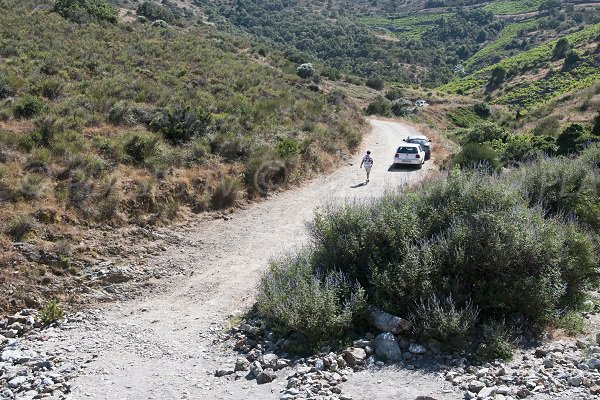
564 369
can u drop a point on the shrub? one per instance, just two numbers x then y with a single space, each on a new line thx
305 71
28 106
571 139
474 155
287 148
50 313
571 59
596 126
485 132
19 227
227 193
402 107
394 94
375 82
498 76
483 110
442 318
139 146
32 187
563 187
560 48
379 106
572 322
497 342
318 306
5 88
591 155
182 124
82 11
155 11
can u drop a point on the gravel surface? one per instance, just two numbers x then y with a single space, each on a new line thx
161 345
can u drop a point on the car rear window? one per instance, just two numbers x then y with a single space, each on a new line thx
419 141
407 150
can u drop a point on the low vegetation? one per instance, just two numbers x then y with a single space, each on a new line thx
473 256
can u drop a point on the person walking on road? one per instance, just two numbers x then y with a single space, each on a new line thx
367 161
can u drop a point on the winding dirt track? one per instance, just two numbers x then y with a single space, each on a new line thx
160 347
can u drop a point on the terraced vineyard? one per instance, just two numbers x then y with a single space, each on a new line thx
512 7
529 93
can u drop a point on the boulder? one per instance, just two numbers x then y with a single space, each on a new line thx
417 349
355 355
265 376
241 364
387 322
386 347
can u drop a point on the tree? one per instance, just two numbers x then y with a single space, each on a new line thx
379 106
375 82
570 139
483 110
596 127
571 59
402 107
305 70
498 75
560 49
82 11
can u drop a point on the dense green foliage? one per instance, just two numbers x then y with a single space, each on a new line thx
464 250
86 10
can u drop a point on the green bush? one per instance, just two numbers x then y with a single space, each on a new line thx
379 106
50 313
287 148
591 155
5 88
478 239
139 146
485 132
305 71
442 318
402 107
375 82
394 94
19 227
182 124
497 342
483 110
596 126
474 155
154 11
28 106
563 187
571 139
82 11
319 306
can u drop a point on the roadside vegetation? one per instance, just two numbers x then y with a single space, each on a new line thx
474 257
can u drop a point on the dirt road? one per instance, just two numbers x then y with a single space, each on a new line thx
160 347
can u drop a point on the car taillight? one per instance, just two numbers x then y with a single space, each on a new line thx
397 155
418 156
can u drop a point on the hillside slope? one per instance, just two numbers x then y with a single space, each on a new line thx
121 121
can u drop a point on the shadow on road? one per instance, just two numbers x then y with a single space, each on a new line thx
358 185
402 168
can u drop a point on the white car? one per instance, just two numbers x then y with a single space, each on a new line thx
410 154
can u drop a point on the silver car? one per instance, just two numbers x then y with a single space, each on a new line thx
423 141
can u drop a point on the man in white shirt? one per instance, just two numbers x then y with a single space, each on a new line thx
367 161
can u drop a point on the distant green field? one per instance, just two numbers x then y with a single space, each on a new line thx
510 7
406 26
497 47
529 95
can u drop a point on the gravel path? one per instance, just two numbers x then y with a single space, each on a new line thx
161 346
